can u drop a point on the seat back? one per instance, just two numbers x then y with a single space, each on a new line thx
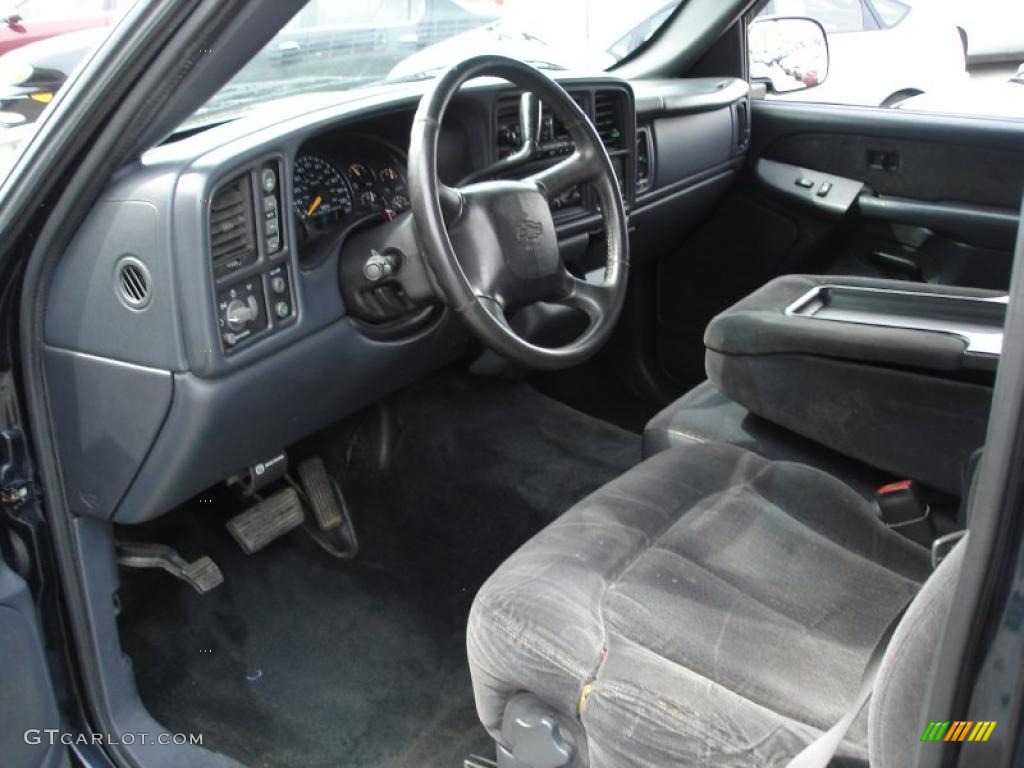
897 718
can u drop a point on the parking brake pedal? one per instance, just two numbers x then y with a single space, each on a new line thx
267 520
334 530
203 574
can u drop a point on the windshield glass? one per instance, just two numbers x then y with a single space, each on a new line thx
332 45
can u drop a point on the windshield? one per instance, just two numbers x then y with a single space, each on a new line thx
335 46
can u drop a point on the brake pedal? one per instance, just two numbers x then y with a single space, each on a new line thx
202 574
334 532
266 521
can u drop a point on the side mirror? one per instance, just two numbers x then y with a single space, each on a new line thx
788 53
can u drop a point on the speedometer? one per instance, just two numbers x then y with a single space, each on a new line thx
321 192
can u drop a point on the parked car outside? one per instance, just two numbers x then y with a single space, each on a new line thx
321 56
515 35
983 99
17 31
31 75
880 51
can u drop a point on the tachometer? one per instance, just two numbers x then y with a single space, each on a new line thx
321 192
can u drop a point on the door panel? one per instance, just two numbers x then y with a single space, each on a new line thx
941 194
920 197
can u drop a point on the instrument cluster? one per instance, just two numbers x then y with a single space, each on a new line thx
331 186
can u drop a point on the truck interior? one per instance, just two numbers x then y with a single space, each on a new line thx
635 424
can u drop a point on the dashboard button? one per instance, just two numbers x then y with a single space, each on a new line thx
269 180
273 244
278 285
282 309
270 228
269 205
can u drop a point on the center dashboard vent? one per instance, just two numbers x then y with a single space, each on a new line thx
554 134
608 119
232 227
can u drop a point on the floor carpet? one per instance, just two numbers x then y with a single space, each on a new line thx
298 659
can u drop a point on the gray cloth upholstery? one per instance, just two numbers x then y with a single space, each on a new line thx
705 415
897 717
717 608
908 424
891 398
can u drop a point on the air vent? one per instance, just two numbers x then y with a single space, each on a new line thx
643 160
608 119
133 284
554 136
232 227
742 125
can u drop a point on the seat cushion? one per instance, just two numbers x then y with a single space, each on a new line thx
705 415
709 607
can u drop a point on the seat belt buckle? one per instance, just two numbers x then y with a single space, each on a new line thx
903 508
900 504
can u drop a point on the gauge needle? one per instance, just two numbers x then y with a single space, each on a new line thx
314 205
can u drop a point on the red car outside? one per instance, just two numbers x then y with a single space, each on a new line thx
16 32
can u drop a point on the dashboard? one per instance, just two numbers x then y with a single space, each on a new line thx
222 285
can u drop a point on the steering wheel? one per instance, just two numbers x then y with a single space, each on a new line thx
492 246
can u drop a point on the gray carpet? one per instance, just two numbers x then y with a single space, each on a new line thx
301 660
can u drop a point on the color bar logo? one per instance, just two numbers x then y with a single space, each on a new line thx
959 730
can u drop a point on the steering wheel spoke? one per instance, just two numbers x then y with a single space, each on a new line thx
595 300
576 169
451 201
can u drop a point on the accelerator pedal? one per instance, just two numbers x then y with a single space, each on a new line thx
202 574
334 530
267 520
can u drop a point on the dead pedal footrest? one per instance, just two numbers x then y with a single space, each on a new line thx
202 574
266 521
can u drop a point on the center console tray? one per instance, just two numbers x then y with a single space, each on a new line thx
977 320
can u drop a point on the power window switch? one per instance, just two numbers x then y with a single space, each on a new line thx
805 183
824 189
